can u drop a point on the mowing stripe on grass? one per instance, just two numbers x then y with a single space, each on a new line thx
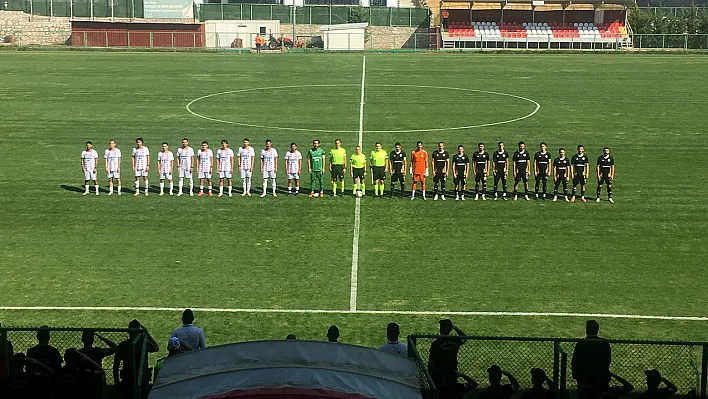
357 312
357 206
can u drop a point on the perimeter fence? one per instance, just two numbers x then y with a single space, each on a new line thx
683 363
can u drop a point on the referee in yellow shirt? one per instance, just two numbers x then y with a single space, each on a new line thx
357 170
379 159
337 166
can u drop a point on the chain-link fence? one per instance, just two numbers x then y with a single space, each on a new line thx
83 9
683 363
26 341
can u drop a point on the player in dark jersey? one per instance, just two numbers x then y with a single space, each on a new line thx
605 173
461 168
561 174
397 166
581 172
480 160
542 168
522 170
500 158
441 165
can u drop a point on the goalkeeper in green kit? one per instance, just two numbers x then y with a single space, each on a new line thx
315 164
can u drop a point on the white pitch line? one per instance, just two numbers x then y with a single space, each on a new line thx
357 206
357 312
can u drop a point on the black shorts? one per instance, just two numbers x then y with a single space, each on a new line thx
337 172
439 177
459 179
379 172
521 176
541 175
560 178
480 177
578 180
397 176
358 173
604 179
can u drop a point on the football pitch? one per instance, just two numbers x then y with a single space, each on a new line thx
262 268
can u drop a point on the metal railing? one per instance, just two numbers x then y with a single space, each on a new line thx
670 41
683 363
14 340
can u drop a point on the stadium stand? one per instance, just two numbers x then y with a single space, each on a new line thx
541 31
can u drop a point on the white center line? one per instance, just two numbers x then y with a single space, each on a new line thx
357 207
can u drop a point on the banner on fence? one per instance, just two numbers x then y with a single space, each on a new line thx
168 9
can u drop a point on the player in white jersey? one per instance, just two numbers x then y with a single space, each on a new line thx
185 164
89 163
112 156
141 165
269 166
246 159
225 159
293 164
166 163
205 157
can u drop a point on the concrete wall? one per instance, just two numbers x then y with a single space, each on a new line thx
377 37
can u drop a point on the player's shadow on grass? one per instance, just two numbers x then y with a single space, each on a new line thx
102 189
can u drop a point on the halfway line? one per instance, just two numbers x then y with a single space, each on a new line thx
357 206
360 312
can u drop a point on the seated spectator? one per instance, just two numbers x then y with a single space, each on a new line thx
44 353
443 351
538 391
189 334
393 346
496 389
122 375
94 353
291 336
451 388
174 348
21 384
589 356
654 380
80 378
333 334
603 389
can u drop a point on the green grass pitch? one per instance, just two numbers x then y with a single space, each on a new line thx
644 255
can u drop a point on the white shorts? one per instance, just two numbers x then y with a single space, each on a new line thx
113 174
141 173
225 174
164 176
205 175
246 173
269 175
88 175
185 173
293 176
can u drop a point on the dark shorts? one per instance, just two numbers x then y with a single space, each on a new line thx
480 176
578 180
604 179
337 172
541 175
459 179
560 178
398 176
521 176
439 177
379 172
358 173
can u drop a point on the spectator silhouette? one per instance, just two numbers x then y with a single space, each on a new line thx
291 336
392 345
538 391
44 353
5 350
189 334
496 389
333 334
80 378
451 388
125 350
94 353
21 384
443 351
603 389
590 356
654 380
174 348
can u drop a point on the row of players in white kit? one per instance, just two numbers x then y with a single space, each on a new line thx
185 157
